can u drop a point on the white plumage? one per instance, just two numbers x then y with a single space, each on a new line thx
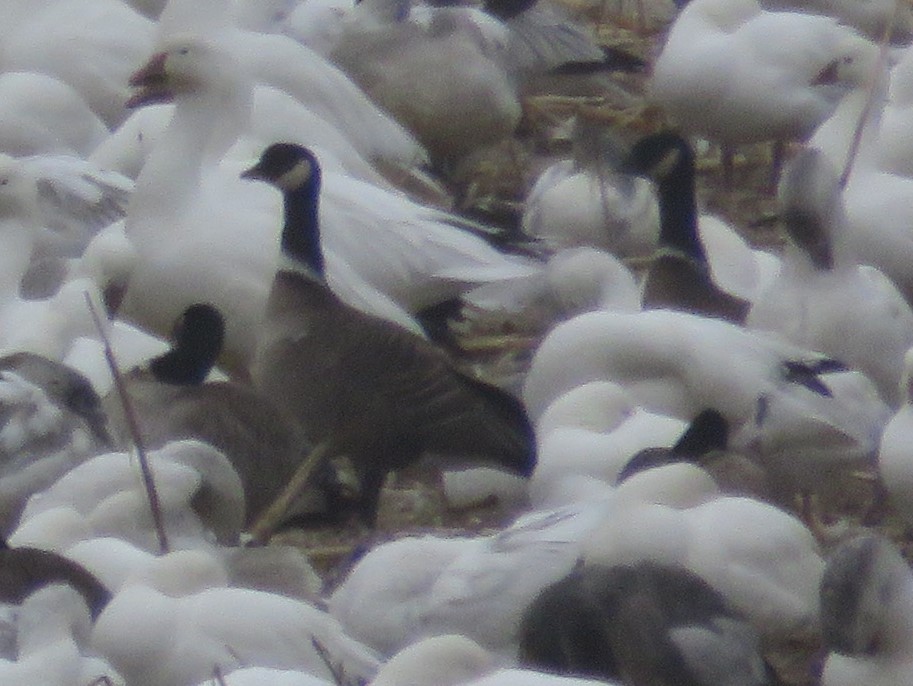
679 364
735 73
201 497
603 384
824 299
181 640
477 587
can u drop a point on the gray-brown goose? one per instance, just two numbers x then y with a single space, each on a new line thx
51 419
65 387
172 401
645 623
679 277
376 393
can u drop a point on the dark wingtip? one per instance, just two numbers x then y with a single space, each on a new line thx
828 365
806 373
507 9
614 60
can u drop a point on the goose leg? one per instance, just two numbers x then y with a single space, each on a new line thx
641 16
274 515
727 158
880 505
776 164
372 481
813 518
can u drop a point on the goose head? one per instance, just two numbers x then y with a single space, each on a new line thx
680 276
287 166
662 157
212 93
185 65
198 336
668 160
295 171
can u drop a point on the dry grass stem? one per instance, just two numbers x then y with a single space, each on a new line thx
133 426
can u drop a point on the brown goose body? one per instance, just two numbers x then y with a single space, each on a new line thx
675 281
642 623
381 395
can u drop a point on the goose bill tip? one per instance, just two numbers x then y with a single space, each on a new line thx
148 96
253 173
150 83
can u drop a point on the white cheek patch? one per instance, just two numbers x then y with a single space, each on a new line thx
665 165
297 176
290 264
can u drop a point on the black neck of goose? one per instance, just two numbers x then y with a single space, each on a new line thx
678 208
198 338
183 367
301 232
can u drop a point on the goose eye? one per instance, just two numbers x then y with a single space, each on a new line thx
184 51
4 182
